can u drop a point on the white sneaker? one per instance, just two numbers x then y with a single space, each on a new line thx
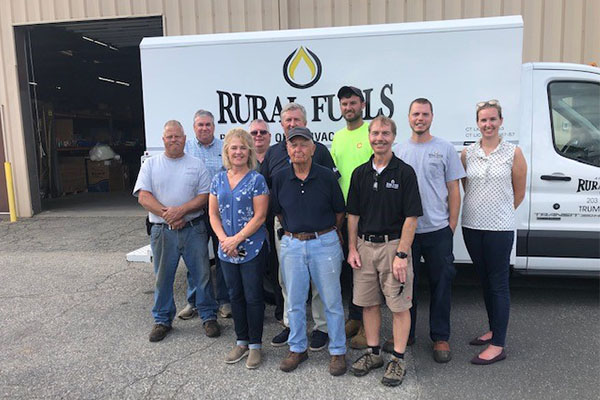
225 310
188 312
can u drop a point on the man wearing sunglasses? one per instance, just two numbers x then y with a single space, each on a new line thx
383 207
262 139
438 170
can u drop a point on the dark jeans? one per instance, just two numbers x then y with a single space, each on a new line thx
272 271
436 249
221 295
245 283
354 312
490 253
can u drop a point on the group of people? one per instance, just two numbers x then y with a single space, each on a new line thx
365 212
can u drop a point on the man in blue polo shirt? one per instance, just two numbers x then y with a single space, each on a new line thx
276 159
206 147
310 206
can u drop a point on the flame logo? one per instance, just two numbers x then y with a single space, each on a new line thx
302 56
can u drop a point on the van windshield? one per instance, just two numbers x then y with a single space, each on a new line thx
575 107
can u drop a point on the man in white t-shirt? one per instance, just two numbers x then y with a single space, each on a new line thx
174 187
438 170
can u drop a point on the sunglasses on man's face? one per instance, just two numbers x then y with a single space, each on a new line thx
492 102
257 132
375 182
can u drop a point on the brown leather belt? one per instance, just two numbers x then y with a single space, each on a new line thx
309 235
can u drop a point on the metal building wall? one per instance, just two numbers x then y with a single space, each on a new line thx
555 30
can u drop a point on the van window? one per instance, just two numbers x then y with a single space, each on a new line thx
575 108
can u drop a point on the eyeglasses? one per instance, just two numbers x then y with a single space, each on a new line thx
375 182
492 102
257 132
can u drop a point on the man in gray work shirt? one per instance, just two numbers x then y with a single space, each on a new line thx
438 170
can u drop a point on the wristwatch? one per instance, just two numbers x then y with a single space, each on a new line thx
401 254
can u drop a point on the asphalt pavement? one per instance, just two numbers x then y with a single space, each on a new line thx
76 317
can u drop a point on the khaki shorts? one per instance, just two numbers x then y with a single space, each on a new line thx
374 283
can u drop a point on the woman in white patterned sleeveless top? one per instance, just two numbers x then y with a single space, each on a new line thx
494 188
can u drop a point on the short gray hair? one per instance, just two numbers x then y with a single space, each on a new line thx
173 123
292 107
204 113
259 121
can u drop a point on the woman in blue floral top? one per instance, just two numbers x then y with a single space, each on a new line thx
238 204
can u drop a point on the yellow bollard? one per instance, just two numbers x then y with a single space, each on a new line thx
10 191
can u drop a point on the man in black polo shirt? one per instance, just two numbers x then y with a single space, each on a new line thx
383 207
276 159
310 206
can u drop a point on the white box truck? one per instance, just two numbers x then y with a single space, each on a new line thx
551 110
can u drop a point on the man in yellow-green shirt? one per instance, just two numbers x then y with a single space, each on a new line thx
349 149
350 146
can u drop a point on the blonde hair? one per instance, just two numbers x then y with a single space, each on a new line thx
246 139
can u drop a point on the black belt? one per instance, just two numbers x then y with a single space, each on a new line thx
192 222
379 238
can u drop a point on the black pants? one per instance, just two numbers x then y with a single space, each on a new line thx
436 249
272 270
354 312
490 252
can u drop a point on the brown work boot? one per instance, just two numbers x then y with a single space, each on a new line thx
212 328
441 351
292 361
359 341
337 365
352 327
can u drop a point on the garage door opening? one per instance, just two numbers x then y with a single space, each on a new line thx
81 95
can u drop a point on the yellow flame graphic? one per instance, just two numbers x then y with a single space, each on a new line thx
302 56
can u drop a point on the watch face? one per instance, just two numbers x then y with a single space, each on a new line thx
401 254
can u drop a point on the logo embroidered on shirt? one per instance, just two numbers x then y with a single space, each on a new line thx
436 154
392 185
359 145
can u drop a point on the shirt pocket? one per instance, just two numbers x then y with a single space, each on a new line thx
435 170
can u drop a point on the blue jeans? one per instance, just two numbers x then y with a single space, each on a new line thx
221 294
436 249
245 283
490 253
319 259
167 247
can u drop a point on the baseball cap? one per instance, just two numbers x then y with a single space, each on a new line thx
347 91
300 131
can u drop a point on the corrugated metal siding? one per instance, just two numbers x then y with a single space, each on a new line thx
555 30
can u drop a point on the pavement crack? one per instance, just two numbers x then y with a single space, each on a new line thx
161 371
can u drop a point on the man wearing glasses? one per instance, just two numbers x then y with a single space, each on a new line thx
383 207
262 139
438 169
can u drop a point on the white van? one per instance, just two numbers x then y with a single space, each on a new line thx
551 110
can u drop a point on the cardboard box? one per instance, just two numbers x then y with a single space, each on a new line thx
72 174
106 176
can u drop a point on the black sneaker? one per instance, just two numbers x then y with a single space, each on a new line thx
318 340
281 338
159 332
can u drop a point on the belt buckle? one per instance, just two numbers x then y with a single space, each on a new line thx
370 238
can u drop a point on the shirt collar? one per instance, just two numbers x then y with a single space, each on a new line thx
311 173
393 164
211 144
